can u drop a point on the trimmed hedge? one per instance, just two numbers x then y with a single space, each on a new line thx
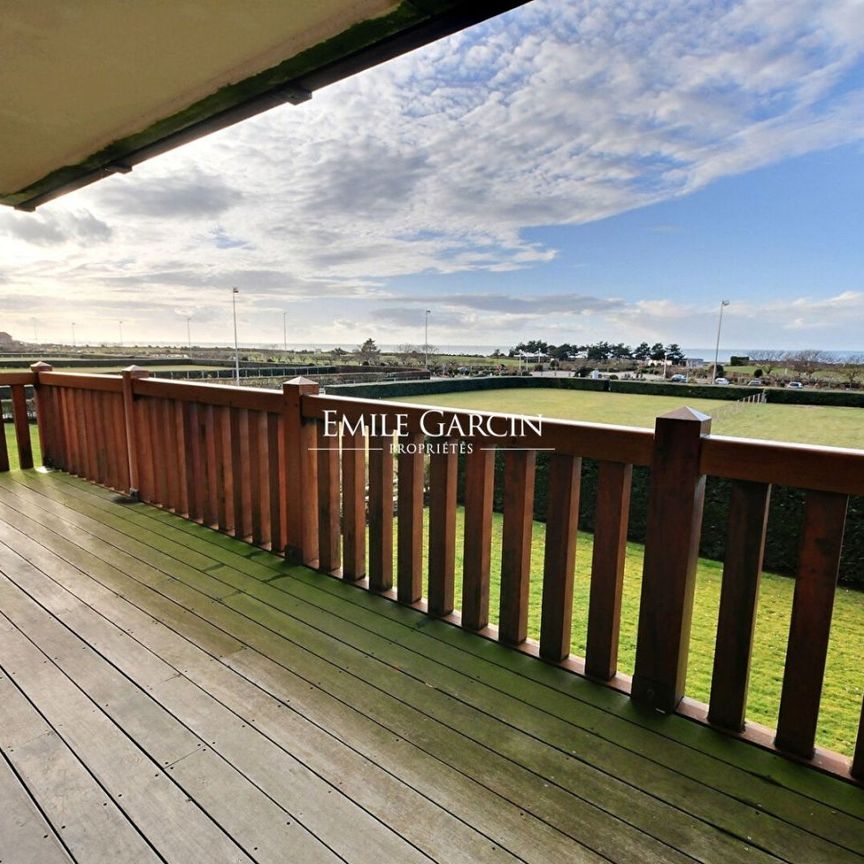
837 398
785 519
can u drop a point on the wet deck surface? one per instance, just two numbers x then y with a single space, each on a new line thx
170 694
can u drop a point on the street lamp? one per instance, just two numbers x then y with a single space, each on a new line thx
285 331
74 344
189 331
426 343
723 304
234 293
120 324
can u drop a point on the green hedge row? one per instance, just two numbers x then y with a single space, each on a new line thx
840 398
785 518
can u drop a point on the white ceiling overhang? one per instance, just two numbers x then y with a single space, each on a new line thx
89 88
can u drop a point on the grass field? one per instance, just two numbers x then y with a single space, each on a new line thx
805 424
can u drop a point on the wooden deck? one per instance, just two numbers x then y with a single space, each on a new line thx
170 694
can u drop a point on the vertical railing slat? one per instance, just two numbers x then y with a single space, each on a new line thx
195 485
442 527
815 586
224 480
4 451
857 770
353 506
380 513
329 532
244 476
562 519
181 438
519 474
607 569
256 458
22 426
742 568
207 425
673 525
409 540
234 421
47 425
274 474
479 479
170 453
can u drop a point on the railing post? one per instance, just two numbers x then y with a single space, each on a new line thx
44 415
675 502
301 486
130 374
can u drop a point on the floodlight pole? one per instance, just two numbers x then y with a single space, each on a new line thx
234 293
723 304
189 330
120 325
285 331
426 342
74 344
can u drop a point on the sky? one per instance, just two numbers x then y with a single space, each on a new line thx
569 171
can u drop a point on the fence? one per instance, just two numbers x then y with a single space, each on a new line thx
267 467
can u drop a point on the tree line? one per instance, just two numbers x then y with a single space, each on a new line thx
601 351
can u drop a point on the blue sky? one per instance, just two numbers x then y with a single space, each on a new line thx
569 171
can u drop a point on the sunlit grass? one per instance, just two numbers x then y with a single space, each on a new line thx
844 680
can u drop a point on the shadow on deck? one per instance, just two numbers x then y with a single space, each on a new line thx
171 694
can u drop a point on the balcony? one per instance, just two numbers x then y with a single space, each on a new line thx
184 678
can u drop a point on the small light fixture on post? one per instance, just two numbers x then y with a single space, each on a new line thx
234 293
723 304
426 342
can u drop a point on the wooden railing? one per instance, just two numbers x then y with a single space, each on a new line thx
280 470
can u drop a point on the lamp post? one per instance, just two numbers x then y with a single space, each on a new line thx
234 293
285 331
723 304
426 342
189 331
35 332
120 325
74 343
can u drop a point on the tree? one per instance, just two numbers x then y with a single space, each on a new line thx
769 360
620 351
674 353
657 352
642 351
806 362
369 351
853 369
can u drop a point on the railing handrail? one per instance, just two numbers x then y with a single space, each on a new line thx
260 464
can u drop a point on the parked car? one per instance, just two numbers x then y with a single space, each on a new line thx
722 381
755 382
794 385
678 379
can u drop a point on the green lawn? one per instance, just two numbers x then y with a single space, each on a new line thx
12 446
806 424
844 682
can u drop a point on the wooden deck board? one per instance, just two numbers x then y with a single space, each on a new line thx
454 747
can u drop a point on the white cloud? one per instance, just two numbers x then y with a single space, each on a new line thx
438 162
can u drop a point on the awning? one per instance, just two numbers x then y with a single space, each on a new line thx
93 87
